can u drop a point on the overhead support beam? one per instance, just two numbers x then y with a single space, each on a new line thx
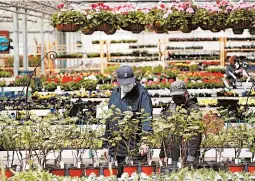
23 7
25 62
10 19
16 43
24 13
42 47
44 4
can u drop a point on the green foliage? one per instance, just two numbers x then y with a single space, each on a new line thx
138 17
68 17
72 55
240 15
89 84
50 86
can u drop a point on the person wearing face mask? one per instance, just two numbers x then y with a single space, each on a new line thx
129 94
181 97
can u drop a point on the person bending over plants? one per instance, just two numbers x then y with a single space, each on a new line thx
181 99
128 95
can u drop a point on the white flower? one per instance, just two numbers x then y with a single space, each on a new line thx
89 16
165 15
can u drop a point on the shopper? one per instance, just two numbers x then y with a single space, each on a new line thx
233 72
181 97
128 94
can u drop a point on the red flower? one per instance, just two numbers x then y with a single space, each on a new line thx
162 6
56 80
61 5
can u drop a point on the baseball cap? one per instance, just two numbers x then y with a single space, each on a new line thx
178 87
125 75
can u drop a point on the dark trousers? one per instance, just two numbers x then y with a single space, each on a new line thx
120 160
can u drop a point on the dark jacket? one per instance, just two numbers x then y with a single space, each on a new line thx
137 99
173 147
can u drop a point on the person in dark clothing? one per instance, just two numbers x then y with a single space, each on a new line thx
233 72
181 97
129 94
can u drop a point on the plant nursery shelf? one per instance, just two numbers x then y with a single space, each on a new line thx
70 58
192 50
131 57
148 62
239 50
169 61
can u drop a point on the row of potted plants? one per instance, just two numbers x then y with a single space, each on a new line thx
116 41
73 55
129 60
184 48
211 39
160 18
192 56
135 53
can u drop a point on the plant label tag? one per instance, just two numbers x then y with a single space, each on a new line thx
236 161
116 163
169 161
160 163
79 164
179 164
165 159
221 158
149 162
62 165
27 167
131 162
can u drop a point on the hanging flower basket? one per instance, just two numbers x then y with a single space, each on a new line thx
238 31
126 28
68 27
242 25
87 31
111 32
136 27
104 27
173 28
158 28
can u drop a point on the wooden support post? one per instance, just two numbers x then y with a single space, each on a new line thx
102 56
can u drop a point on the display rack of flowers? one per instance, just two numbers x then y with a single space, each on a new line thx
132 18
241 17
211 17
68 20
100 17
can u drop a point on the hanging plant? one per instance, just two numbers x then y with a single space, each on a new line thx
132 19
158 20
241 16
175 18
100 17
211 17
188 15
68 21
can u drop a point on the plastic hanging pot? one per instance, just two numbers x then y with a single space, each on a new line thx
130 169
107 172
252 31
148 169
76 172
89 171
58 172
238 31
251 168
87 31
236 168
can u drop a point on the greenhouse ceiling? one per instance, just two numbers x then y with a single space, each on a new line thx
47 8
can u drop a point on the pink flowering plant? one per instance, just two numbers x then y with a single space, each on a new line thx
158 17
241 15
211 17
99 14
130 14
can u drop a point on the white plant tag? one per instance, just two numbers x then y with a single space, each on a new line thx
116 163
62 165
79 164
149 162
27 167
160 163
179 165
131 162
165 159
236 161
169 161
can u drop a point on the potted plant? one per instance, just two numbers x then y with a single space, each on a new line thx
238 137
132 19
159 22
101 18
175 17
240 17
68 20
211 17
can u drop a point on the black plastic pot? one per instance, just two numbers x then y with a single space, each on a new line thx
252 31
238 31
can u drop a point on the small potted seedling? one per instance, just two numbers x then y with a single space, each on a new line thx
238 137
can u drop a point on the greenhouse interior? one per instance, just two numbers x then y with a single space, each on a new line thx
127 90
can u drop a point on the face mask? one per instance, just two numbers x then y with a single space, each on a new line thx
179 100
127 87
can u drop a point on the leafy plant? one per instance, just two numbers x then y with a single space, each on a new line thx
89 84
68 17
